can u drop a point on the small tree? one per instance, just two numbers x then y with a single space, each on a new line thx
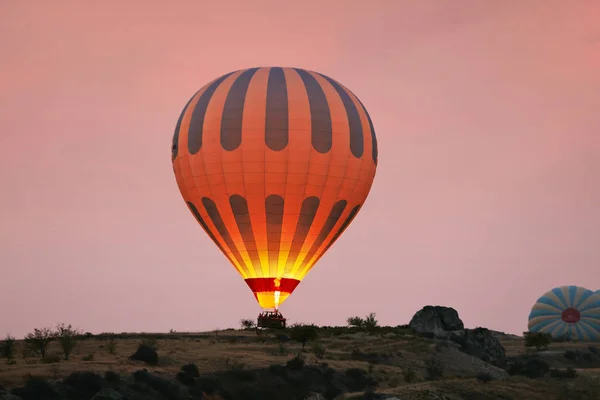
67 338
8 347
303 333
248 323
370 323
39 340
356 322
539 340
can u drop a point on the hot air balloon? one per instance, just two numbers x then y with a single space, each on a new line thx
274 163
567 311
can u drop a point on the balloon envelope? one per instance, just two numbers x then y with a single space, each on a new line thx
274 163
567 311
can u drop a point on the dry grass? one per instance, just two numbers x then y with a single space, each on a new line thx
386 357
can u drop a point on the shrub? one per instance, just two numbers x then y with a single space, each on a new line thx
111 346
295 363
371 323
112 377
356 322
539 340
89 357
484 377
188 374
594 350
67 338
531 367
145 354
8 347
434 369
303 333
248 324
319 350
39 339
409 375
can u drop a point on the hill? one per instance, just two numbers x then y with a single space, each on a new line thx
342 363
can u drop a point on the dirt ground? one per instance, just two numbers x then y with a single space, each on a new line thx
387 358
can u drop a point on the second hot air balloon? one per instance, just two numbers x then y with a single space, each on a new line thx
567 311
274 164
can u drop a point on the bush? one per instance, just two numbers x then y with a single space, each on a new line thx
188 374
67 338
539 340
89 357
371 323
531 367
434 369
39 339
111 346
112 377
295 363
303 333
7 348
594 350
145 354
357 379
409 375
569 373
484 377
248 324
319 350
356 322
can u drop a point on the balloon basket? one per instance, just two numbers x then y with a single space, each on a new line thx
270 320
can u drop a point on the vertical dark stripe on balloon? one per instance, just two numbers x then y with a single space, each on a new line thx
320 116
276 123
203 225
239 206
274 212
310 205
374 150
233 112
343 227
175 145
357 145
215 217
336 212
197 121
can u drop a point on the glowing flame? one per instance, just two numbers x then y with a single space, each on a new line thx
276 298
277 293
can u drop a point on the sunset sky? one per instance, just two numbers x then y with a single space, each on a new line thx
487 191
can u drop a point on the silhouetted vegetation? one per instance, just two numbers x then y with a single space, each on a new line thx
434 369
39 339
145 354
248 324
303 333
531 367
67 338
7 347
539 340
484 377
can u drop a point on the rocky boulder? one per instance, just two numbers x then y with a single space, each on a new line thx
436 320
481 343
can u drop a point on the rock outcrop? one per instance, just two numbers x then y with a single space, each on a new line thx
436 320
481 343
444 323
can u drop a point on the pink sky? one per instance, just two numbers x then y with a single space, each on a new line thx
487 192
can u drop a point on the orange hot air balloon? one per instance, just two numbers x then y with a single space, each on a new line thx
274 163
